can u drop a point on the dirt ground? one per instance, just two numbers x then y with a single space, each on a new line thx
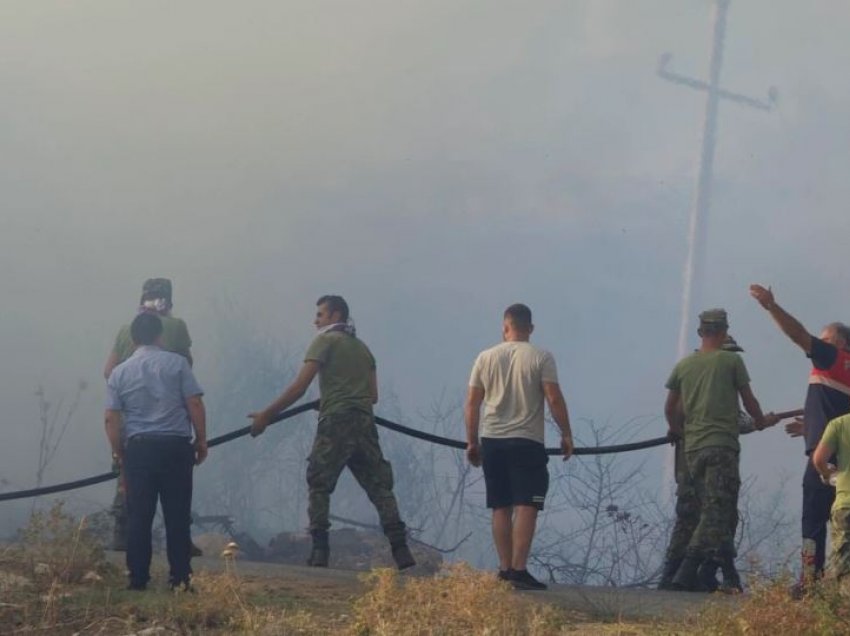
331 587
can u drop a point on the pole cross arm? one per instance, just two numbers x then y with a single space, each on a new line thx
700 85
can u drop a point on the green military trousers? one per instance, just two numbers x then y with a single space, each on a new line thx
351 439
716 480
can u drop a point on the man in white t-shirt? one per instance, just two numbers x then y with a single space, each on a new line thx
512 380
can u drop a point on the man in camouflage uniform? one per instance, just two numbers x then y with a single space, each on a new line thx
346 434
687 508
156 299
702 407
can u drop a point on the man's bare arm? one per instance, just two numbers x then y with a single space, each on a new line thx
560 413
789 325
674 413
198 417
290 395
112 422
111 363
820 459
472 417
752 406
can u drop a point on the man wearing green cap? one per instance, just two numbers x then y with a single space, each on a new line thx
702 407
156 299
688 508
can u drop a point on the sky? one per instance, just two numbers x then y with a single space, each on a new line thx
433 162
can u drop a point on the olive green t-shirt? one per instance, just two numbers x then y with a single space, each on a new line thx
709 383
175 338
345 364
836 438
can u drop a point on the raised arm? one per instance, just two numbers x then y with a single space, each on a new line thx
558 409
472 416
290 395
789 325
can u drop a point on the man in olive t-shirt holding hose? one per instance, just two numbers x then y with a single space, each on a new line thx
346 435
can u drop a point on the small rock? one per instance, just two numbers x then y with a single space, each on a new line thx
92 577
41 569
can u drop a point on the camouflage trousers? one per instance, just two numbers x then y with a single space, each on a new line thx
687 509
716 481
839 538
351 439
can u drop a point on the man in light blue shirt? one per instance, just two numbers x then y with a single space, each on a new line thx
153 407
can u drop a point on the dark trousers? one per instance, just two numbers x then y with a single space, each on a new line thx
159 467
817 503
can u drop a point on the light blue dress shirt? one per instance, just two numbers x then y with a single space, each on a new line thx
150 389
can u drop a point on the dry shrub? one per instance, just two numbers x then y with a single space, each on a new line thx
56 548
769 610
461 601
219 603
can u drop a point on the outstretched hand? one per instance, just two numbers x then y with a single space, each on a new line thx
763 296
796 427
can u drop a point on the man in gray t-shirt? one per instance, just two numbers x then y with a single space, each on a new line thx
512 380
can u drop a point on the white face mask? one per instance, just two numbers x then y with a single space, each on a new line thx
159 305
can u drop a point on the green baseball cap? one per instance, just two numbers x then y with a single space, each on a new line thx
157 288
714 318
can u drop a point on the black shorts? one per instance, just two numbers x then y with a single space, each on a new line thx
515 472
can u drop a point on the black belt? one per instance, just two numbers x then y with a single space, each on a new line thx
155 437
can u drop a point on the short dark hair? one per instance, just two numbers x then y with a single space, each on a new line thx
520 316
335 304
145 329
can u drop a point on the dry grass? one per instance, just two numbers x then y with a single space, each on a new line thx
461 601
769 610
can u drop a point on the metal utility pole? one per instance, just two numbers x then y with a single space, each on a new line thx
694 267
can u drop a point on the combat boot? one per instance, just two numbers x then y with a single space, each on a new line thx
731 579
402 556
396 534
685 579
707 576
321 551
670 568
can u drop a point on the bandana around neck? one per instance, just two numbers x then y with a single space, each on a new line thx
345 327
157 306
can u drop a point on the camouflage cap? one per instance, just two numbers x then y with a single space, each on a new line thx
730 345
714 318
157 288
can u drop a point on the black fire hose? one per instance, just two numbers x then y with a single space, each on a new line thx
310 406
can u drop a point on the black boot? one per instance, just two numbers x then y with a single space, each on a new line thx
707 576
685 579
731 579
670 568
402 556
321 551
396 534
